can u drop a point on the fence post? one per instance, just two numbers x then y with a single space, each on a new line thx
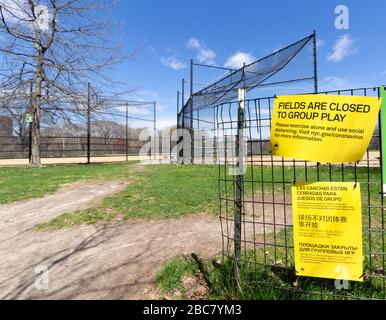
215 111
127 132
30 124
180 140
177 127
239 181
191 114
156 145
88 123
382 137
315 64
178 105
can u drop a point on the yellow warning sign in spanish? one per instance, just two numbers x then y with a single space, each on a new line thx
323 128
327 222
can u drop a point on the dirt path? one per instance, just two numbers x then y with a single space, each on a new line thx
116 260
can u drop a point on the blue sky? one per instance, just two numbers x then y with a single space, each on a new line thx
170 33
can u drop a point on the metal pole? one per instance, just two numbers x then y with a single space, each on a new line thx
180 140
183 94
239 179
178 105
191 114
88 122
30 124
177 127
154 133
382 135
170 146
127 131
315 64
214 135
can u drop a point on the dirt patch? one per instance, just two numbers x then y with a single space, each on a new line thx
112 260
267 212
16 218
115 260
264 215
196 288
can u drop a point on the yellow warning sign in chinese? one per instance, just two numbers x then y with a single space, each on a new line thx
323 128
327 222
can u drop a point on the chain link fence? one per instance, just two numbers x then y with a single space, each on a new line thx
81 128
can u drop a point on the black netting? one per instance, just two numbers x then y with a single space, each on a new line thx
250 77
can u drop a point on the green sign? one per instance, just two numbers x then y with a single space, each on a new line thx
28 118
383 136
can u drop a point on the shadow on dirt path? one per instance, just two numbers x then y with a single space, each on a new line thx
114 260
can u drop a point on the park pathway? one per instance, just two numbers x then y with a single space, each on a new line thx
112 260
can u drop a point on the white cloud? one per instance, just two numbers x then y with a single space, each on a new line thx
204 54
343 47
331 83
237 60
194 43
173 63
43 18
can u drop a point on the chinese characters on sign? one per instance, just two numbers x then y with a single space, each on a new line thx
327 222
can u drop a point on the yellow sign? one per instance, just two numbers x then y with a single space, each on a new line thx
323 128
327 222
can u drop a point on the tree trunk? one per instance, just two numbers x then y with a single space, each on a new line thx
36 110
35 133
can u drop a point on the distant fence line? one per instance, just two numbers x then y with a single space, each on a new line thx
93 127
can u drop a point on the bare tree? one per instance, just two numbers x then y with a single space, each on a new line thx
109 131
14 110
60 45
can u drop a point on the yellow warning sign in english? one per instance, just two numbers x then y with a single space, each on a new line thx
327 222
323 128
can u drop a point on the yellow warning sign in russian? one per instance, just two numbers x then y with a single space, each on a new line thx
327 224
323 128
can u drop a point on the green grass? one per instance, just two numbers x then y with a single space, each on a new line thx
160 191
167 191
259 281
76 218
169 278
269 273
19 183
156 191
